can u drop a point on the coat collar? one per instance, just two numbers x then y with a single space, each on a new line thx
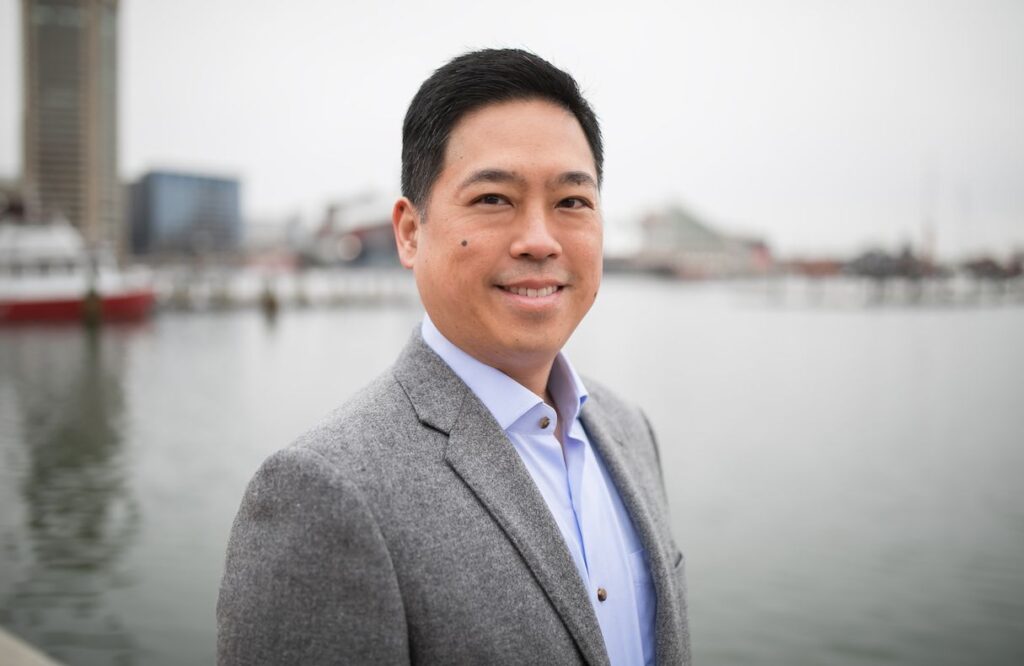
504 397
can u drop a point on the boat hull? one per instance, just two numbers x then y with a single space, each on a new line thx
128 306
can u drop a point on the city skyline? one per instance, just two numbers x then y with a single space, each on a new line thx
822 127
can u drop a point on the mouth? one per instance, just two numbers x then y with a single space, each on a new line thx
532 292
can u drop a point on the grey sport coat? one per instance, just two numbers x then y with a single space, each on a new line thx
406 529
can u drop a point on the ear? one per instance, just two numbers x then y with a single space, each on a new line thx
405 220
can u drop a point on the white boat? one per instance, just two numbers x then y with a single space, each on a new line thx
47 274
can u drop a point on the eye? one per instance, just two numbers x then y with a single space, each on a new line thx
574 203
491 199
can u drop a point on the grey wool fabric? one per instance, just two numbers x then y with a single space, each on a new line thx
406 529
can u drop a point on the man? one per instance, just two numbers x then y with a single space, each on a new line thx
476 504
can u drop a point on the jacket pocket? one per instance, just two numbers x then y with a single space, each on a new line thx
646 597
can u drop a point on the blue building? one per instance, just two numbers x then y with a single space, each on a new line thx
183 213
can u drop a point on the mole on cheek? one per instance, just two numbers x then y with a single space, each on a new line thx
465 243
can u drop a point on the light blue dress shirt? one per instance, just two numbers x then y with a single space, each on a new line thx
578 491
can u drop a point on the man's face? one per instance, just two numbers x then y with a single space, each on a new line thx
507 254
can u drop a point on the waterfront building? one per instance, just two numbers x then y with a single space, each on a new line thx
355 232
185 213
677 242
70 81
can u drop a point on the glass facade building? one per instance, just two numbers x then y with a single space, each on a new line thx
182 213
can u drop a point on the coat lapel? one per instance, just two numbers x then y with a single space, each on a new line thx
482 456
631 482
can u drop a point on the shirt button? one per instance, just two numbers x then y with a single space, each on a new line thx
544 422
602 594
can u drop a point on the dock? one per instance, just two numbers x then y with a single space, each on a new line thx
16 652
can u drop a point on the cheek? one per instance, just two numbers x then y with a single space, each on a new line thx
472 246
461 261
587 253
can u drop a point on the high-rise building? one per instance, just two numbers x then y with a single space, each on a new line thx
70 114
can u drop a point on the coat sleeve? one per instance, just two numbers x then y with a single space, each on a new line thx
308 578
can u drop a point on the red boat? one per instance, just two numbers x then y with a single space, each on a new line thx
46 274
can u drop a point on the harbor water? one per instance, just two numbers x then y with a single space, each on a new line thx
846 480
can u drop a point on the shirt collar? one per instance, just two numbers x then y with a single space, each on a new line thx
505 398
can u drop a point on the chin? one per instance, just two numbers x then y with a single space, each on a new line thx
531 344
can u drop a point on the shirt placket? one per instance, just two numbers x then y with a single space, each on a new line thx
611 589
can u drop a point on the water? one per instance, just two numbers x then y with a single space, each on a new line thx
846 482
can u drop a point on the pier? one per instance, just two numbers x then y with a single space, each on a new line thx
16 652
232 288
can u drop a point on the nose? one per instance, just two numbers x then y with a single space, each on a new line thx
533 236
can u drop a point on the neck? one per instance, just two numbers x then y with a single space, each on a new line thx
533 372
532 369
534 379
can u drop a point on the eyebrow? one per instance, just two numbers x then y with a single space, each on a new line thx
576 178
491 176
504 176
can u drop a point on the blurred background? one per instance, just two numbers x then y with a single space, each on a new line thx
814 243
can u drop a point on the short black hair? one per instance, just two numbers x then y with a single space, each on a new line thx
474 80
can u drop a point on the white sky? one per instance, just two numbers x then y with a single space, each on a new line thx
823 126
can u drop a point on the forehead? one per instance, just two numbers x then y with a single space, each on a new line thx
532 133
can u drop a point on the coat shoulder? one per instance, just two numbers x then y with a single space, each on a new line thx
609 400
626 415
372 423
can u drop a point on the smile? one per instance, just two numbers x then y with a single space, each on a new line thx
532 293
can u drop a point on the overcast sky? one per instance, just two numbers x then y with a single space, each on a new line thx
822 126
